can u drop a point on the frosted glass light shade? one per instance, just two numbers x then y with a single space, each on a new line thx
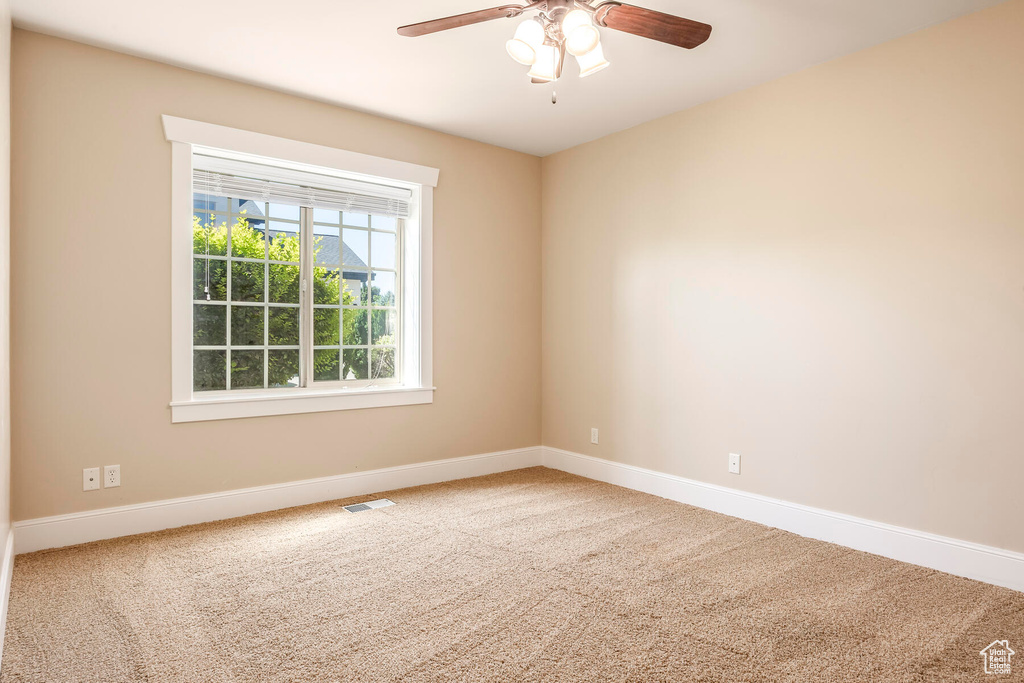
574 19
545 66
580 35
523 46
582 40
521 52
592 62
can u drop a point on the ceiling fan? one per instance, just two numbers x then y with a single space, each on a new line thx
571 26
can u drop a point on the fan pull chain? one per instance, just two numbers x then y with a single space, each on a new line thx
554 71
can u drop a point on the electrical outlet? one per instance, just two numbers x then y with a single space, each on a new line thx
734 463
593 435
90 478
111 476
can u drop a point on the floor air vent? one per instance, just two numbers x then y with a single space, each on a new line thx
372 505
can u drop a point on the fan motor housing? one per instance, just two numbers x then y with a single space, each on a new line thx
558 8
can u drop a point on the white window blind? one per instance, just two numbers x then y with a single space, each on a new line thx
264 182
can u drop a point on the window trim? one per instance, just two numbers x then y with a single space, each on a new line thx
417 381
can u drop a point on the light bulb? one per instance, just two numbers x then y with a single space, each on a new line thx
523 46
580 35
592 62
546 65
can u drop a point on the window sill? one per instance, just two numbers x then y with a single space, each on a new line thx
296 401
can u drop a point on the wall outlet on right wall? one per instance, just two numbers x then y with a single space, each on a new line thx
593 435
734 463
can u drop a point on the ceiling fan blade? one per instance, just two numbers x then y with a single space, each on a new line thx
435 25
654 25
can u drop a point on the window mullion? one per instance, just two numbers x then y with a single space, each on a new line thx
266 296
305 296
229 294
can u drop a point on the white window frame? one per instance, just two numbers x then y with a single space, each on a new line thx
416 385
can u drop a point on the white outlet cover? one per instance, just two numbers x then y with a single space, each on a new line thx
593 435
111 476
90 478
734 463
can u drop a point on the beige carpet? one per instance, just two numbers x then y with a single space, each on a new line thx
532 575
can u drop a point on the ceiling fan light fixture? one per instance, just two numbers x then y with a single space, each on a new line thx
571 26
546 66
592 62
528 37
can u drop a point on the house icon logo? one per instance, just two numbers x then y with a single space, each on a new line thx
997 657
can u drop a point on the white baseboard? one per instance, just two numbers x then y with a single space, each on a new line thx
6 570
971 560
94 525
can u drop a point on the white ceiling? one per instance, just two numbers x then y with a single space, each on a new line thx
461 81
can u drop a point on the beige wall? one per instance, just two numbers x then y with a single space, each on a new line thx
5 266
824 274
91 290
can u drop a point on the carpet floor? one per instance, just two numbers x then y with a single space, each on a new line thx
533 575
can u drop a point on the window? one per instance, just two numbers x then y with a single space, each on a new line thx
308 283
248 310
246 315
